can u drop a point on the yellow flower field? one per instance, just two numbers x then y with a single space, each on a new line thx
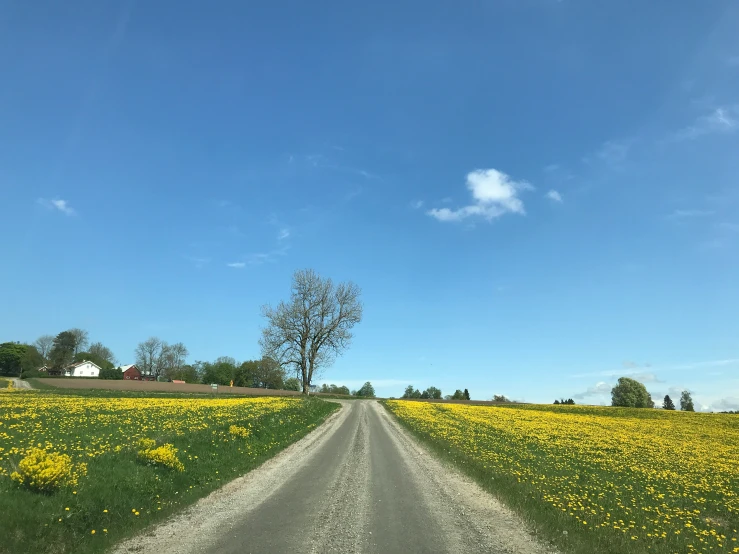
89 427
81 471
625 480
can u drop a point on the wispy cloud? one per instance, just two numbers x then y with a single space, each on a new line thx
493 192
629 370
237 265
417 204
721 120
283 233
551 168
614 152
554 196
57 204
685 214
198 262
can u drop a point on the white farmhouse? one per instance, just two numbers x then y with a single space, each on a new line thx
83 369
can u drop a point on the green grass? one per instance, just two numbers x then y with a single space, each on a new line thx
117 481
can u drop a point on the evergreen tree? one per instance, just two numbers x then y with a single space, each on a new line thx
668 404
466 394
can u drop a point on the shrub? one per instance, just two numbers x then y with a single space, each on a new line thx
44 471
165 455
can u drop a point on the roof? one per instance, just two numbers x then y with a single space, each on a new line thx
126 367
78 364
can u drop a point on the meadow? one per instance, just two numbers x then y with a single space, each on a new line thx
590 479
80 472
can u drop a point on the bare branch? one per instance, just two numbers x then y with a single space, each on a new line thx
314 327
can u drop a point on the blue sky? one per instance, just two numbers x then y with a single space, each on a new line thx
536 196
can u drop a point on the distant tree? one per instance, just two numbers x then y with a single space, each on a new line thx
343 389
101 351
187 373
500 398
570 401
556 401
269 374
32 359
629 393
148 356
11 358
667 403
566 401
43 344
314 327
458 395
111 373
62 351
291 384
367 391
433 393
89 357
425 395
246 374
408 393
171 358
686 402
466 394
81 339
222 372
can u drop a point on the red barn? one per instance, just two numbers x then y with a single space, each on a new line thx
131 372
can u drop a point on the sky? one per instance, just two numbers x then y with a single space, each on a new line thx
536 197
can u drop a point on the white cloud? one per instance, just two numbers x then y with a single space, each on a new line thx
283 234
554 195
720 120
599 389
417 204
494 194
551 167
237 265
57 204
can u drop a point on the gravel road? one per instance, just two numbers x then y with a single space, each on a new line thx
358 483
20 383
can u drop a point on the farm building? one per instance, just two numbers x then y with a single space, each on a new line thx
82 369
130 372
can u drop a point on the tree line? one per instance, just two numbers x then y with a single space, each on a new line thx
434 393
55 353
630 393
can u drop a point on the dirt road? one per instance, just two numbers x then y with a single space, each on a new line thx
20 383
359 483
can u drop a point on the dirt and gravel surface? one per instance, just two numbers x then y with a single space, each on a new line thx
359 483
20 383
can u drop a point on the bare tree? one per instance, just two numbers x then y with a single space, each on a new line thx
148 356
314 327
172 357
102 351
43 344
81 339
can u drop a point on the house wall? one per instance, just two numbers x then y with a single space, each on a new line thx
87 369
132 374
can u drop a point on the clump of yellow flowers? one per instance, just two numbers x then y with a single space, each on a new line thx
238 431
47 471
165 455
